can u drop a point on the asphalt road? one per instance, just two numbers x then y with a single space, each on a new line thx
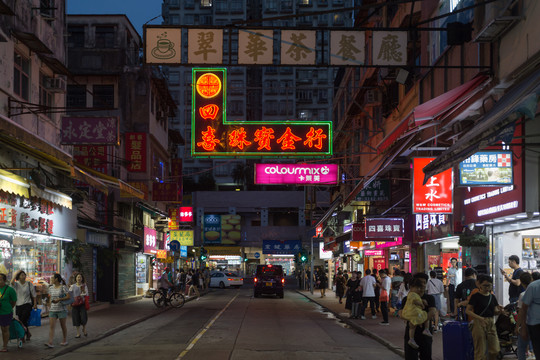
231 324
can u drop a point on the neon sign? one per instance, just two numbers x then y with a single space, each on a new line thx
214 136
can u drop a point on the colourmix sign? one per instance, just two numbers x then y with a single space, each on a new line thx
296 174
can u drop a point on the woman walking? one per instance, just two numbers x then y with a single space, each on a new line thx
8 299
79 315
58 292
26 299
340 286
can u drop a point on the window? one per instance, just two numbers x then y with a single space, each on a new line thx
271 107
322 96
21 77
46 9
236 107
221 169
237 87
76 36
338 19
237 6
46 97
189 4
206 3
189 20
322 115
104 36
271 5
76 96
103 96
222 6
174 20
304 115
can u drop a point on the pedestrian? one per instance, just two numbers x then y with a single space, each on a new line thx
515 285
58 292
26 299
340 286
375 274
322 282
351 285
530 315
164 281
403 289
181 280
415 312
206 278
345 274
189 275
8 299
194 285
386 286
396 281
463 291
522 343
79 316
535 275
368 284
424 342
482 307
435 288
452 279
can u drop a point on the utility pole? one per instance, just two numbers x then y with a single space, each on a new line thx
311 277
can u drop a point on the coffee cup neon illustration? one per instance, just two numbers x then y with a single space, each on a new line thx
164 45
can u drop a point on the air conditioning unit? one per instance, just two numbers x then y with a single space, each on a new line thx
56 85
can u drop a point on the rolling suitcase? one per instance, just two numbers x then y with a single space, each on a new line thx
457 341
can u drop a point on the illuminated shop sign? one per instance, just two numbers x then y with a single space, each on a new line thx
184 237
296 174
377 190
384 227
493 203
426 221
382 245
436 196
487 168
374 252
214 136
291 247
150 241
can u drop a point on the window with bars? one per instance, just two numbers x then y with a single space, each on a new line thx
103 96
21 76
104 36
75 36
76 96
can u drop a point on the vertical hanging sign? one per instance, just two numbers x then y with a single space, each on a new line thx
136 152
436 196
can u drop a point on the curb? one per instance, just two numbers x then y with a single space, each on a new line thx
397 350
114 331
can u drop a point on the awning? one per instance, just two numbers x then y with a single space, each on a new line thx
32 41
85 177
14 184
54 64
52 195
223 250
495 125
423 115
111 180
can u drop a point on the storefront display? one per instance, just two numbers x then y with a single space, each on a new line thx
37 258
141 271
531 253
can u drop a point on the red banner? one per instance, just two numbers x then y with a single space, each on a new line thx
358 232
165 192
92 156
436 196
136 152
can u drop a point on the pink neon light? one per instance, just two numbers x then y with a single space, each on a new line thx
389 243
297 174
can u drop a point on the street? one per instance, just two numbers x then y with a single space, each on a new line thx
231 324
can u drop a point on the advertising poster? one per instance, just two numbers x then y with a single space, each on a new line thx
487 168
436 196
211 229
230 229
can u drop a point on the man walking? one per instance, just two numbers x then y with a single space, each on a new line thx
368 284
194 284
530 315
386 285
515 287
452 276
463 291
435 288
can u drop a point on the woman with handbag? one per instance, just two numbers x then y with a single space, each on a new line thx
79 316
58 296
26 299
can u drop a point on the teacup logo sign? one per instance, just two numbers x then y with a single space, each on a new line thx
164 48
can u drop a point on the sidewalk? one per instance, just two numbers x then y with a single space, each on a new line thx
391 336
103 320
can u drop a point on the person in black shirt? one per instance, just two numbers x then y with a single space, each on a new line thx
424 342
515 287
482 307
463 291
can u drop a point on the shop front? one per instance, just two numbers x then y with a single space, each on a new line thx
225 258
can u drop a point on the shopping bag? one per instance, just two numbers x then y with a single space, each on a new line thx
35 318
87 302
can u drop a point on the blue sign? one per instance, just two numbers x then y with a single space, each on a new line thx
212 229
174 245
290 247
183 251
257 255
486 169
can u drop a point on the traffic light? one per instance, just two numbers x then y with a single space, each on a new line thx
203 254
245 259
303 256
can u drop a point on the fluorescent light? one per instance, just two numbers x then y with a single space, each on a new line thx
509 218
521 216
514 224
479 224
283 255
14 181
489 222
525 222
536 213
498 220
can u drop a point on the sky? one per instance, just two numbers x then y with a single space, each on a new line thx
137 11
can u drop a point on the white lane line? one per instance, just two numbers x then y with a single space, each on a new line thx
205 329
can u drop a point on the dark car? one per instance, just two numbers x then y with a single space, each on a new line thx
268 280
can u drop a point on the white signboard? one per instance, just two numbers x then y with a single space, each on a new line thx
255 46
163 45
347 47
205 46
389 48
324 255
298 47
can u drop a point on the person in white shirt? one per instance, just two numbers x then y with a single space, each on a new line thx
368 284
26 299
386 285
435 287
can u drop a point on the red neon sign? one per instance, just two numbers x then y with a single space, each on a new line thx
213 135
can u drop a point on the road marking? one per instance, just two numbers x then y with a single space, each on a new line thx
202 331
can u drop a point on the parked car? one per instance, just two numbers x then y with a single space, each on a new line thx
268 279
225 279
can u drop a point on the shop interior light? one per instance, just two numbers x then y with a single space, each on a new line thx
509 218
498 220
514 224
521 216
6 232
479 224
536 213
489 222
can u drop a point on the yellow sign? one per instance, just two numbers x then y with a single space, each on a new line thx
161 254
184 237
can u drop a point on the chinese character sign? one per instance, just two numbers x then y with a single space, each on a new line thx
377 190
92 156
296 174
213 135
163 46
291 247
136 152
384 227
165 191
436 196
255 46
90 130
184 237
298 47
150 241
358 232
487 168
389 48
347 47
205 46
